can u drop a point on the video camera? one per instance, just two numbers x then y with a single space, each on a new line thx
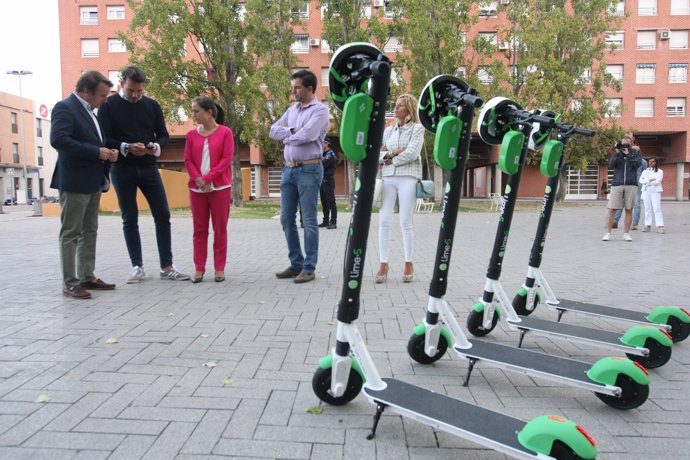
620 146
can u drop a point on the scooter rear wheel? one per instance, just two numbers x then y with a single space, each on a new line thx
658 354
475 326
321 384
561 451
680 330
633 394
415 348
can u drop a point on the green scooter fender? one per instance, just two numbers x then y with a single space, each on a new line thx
446 142
511 150
539 434
479 308
637 336
420 329
660 315
327 362
606 370
355 126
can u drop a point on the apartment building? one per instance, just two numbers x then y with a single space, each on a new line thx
651 60
13 145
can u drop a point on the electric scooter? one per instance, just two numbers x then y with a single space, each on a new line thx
431 338
359 84
650 346
675 320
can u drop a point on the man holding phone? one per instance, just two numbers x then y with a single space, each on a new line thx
624 162
135 125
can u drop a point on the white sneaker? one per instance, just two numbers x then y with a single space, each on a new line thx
607 236
627 237
136 274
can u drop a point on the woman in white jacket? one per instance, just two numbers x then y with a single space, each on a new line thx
651 180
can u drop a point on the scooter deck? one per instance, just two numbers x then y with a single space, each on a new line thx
529 362
602 311
481 425
582 334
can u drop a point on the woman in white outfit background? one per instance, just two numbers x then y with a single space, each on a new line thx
651 180
401 168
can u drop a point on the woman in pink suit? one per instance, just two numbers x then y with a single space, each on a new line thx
208 157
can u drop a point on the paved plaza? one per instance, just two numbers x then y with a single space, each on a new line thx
164 369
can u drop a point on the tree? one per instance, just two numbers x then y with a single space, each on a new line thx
217 48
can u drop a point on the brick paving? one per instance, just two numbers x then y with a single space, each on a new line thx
151 394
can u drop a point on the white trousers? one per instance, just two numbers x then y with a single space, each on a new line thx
404 188
652 203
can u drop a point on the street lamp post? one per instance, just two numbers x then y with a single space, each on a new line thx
19 73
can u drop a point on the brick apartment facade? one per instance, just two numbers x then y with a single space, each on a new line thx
654 40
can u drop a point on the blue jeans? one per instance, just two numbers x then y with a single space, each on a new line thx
301 185
127 179
636 209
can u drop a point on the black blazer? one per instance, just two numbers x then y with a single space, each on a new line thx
73 134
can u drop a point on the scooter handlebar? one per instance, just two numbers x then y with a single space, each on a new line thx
585 132
570 130
472 100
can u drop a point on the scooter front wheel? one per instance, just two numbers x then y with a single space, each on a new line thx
520 303
416 349
561 451
633 394
321 384
680 330
659 354
475 326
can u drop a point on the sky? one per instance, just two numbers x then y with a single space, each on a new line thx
29 40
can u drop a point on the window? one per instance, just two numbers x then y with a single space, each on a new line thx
586 77
39 128
88 15
485 76
677 73
13 121
488 38
325 47
115 12
393 45
645 74
39 155
680 7
89 47
644 107
679 40
488 9
646 8
115 45
114 77
302 13
617 9
388 12
301 44
325 73
461 72
616 71
675 107
646 39
613 107
15 153
576 105
615 39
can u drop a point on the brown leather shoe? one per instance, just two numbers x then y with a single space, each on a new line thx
76 292
288 273
304 277
97 284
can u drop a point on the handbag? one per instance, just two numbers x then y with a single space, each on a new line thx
378 193
425 189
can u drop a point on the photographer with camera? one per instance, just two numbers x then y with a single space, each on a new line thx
625 161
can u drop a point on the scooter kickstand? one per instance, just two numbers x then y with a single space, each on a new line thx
560 315
469 371
522 337
377 416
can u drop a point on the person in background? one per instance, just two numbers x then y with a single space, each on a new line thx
301 129
208 154
134 124
81 173
329 162
625 161
638 197
651 181
402 168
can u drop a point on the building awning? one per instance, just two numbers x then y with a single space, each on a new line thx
677 66
646 66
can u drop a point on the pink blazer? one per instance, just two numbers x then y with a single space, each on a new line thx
221 145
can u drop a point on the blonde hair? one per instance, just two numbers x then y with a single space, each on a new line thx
411 106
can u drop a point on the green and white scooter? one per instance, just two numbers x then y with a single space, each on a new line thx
440 329
675 320
650 346
359 85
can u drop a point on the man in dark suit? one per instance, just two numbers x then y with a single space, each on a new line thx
80 174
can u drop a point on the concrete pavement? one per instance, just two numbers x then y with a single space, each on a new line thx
130 374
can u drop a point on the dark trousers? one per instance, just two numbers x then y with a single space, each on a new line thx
126 180
327 193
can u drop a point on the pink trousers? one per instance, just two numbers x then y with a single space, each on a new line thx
215 205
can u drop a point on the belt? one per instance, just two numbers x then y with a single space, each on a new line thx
294 164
